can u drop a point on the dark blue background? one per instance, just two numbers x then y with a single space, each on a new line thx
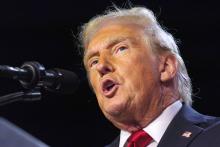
45 31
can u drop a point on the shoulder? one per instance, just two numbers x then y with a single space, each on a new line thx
209 137
189 126
190 116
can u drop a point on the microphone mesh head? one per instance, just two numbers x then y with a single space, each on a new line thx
68 81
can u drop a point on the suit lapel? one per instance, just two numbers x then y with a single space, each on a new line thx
183 129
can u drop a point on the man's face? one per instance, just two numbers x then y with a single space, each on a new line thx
124 74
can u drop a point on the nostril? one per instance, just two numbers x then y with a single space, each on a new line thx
104 69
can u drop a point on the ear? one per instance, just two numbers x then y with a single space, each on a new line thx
168 67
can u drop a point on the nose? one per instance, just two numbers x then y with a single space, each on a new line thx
104 66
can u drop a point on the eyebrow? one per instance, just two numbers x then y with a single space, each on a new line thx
108 44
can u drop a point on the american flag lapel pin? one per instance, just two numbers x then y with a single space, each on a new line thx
187 134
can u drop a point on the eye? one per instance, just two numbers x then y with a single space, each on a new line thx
93 62
122 48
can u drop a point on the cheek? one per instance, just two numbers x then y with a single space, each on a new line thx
142 78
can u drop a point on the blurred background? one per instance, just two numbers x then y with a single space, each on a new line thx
46 30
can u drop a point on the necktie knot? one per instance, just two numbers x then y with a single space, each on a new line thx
139 139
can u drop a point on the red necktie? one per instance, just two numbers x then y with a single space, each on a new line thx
138 139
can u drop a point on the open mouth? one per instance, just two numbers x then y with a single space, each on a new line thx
109 87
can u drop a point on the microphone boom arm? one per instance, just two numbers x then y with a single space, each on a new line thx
30 95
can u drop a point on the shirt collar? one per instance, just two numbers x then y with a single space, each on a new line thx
157 127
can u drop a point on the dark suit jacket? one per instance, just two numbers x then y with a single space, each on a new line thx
189 129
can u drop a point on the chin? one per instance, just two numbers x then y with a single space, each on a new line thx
119 116
115 109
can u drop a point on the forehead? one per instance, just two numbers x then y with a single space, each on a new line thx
111 34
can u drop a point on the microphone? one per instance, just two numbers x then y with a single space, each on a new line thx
33 74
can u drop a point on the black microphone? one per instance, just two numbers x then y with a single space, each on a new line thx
33 74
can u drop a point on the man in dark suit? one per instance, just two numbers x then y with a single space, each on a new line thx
141 82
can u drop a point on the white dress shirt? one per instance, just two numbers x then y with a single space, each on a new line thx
157 127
